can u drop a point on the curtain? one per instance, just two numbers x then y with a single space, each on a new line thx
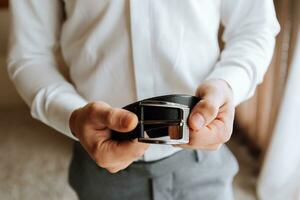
256 117
270 119
280 174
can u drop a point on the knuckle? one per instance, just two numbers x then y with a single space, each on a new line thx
210 108
108 116
92 106
92 110
226 138
113 170
101 162
98 160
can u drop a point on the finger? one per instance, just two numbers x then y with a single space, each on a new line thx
115 118
207 108
118 167
112 153
221 127
202 114
218 131
214 133
129 150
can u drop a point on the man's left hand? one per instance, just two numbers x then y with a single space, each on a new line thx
211 120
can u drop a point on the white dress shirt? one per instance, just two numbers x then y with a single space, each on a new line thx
121 51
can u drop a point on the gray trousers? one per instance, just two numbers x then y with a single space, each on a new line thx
188 174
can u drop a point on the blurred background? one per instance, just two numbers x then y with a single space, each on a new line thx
34 158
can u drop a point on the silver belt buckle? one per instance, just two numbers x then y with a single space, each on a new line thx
181 123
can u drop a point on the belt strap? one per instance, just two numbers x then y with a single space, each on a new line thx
156 114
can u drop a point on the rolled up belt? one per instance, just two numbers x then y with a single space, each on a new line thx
157 115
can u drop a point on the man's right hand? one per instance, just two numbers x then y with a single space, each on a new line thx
92 125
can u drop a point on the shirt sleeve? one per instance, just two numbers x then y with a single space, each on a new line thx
249 36
32 64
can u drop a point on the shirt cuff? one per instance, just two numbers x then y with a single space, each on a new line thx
237 78
56 110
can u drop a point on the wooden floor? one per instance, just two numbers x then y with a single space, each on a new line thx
34 161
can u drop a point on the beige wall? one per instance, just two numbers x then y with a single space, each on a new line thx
8 94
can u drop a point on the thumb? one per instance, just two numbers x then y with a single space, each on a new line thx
207 109
118 119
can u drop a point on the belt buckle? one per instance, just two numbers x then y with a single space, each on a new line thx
181 123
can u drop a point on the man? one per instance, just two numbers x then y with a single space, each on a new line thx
119 52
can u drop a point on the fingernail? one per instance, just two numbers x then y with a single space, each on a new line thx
198 120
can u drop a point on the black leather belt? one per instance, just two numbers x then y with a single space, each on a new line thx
156 115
